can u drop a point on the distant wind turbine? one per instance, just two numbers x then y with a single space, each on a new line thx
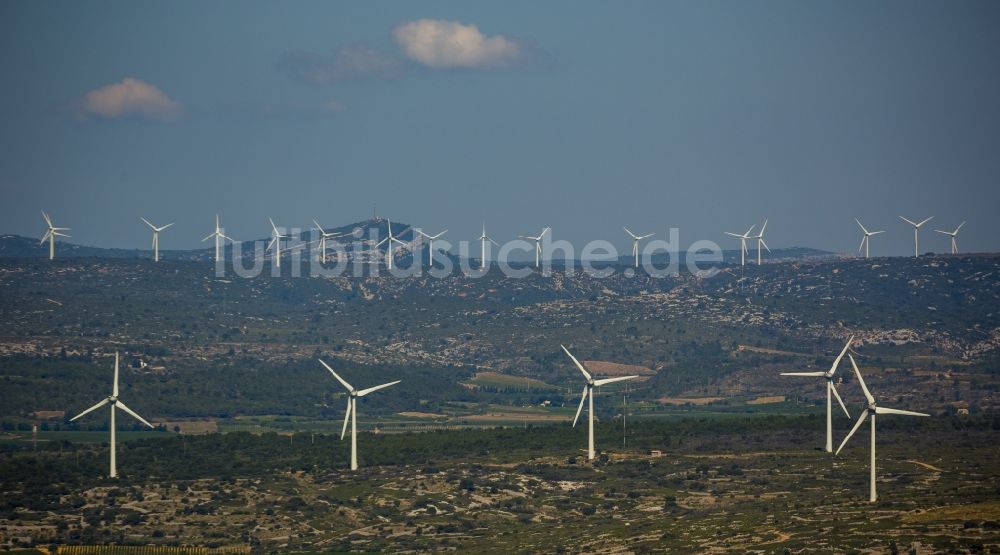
219 237
831 390
156 237
916 230
760 241
952 234
866 239
635 243
743 243
872 410
323 236
538 244
51 233
115 403
352 410
430 245
391 238
588 393
276 238
482 248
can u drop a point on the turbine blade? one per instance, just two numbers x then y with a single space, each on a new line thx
45 237
959 227
861 420
807 374
95 407
147 222
209 236
749 230
761 233
732 234
339 379
836 361
630 233
765 245
379 244
647 236
868 394
347 417
364 392
909 221
114 390
943 232
577 363
863 239
875 232
606 381
440 234
925 221
122 406
861 226
579 409
839 400
48 220
166 226
884 410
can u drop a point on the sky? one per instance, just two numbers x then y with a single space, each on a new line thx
581 116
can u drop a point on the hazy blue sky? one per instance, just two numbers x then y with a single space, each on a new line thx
582 116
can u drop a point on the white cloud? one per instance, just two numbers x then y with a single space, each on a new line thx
449 44
129 98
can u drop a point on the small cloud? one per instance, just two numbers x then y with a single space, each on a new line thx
355 61
448 44
129 98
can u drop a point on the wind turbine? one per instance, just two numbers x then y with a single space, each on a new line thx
831 390
276 238
538 243
156 237
218 238
482 249
352 411
916 229
760 241
743 243
430 245
635 243
115 403
866 240
51 233
323 236
390 239
952 234
872 410
588 393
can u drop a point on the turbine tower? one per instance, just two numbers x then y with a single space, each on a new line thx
743 243
218 238
588 393
635 243
51 233
952 234
276 238
430 245
352 411
831 390
538 244
482 247
390 239
115 403
916 230
323 236
872 409
760 241
866 239
156 237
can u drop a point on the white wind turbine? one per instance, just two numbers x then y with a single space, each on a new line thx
390 239
588 393
872 409
51 233
760 241
352 411
430 245
952 234
635 243
743 243
156 237
482 247
219 236
276 238
323 236
538 243
831 390
916 230
866 239
115 403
